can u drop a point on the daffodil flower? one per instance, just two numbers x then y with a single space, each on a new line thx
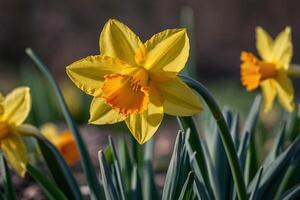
63 141
14 109
134 81
271 71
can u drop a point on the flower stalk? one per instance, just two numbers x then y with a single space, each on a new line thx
224 134
85 158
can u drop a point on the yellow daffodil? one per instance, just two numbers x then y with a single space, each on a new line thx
14 109
134 81
271 71
63 141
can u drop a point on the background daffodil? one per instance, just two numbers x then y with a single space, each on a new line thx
63 141
14 109
270 72
134 81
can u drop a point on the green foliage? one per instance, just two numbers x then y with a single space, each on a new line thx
222 164
186 171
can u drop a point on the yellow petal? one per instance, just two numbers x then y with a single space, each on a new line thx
17 105
269 93
50 131
144 125
117 40
264 44
88 73
285 91
179 99
167 51
101 113
283 48
15 152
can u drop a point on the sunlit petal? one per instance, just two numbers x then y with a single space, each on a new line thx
269 93
15 152
167 51
101 113
88 73
285 91
179 99
283 48
17 105
144 125
264 44
117 40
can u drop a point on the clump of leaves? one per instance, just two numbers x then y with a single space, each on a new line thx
199 168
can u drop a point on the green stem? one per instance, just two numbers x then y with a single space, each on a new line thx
294 72
224 134
85 158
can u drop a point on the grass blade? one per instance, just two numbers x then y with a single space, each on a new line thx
172 176
273 172
254 193
195 144
125 164
200 188
109 188
58 167
136 190
50 189
116 165
187 188
292 193
224 134
9 188
86 162
149 187
249 127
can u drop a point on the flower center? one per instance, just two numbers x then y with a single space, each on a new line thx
254 71
127 92
4 130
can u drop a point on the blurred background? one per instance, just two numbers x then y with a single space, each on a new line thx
61 32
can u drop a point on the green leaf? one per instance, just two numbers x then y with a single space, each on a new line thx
292 125
273 173
187 125
200 188
234 130
9 189
252 117
136 189
198 166
116 165
125 164
249 127
222 174
187 188
172 177
243 148
292 193
254 193
50 189
59 169
109 188
224 134
108 155
277 147
149 188
86 162
289 179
